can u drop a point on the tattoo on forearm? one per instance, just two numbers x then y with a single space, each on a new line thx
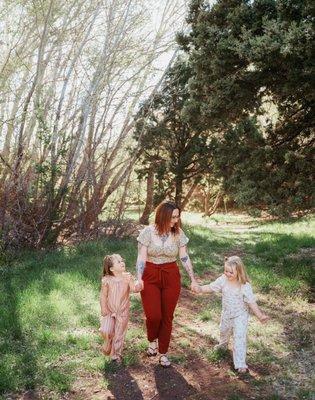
184 259
140 267
187 265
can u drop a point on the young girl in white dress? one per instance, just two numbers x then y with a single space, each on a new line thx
237 300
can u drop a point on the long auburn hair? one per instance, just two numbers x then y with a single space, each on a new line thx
235 261
163 217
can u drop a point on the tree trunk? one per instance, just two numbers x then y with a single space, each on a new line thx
190 193
215 205
144 219
122 205
38 76
178 190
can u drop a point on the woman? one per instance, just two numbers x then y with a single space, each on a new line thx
158 274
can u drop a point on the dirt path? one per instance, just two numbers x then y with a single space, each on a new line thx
191 376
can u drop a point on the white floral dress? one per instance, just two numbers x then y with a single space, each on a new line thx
234 317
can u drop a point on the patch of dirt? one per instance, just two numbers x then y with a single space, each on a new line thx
193 381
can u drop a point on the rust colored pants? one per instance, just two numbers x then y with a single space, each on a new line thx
159 299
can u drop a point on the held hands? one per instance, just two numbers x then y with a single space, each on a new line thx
195 287
139 285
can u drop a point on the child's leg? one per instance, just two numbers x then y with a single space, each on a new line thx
239 341
225 331
119 336
107 332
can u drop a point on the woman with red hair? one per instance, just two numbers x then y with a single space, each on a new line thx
158 274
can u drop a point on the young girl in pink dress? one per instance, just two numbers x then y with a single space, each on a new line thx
115 303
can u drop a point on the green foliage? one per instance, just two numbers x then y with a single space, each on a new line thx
251 85
168 144
281 184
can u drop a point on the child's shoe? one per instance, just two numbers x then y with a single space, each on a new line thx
117 359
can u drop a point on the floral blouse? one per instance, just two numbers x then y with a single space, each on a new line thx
159 251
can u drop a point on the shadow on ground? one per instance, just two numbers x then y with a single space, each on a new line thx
121 384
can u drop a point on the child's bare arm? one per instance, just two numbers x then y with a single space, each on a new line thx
134 286
202 289
215 286
103 300
205 289
257 312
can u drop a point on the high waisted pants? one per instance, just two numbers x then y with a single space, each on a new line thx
237 326
159 299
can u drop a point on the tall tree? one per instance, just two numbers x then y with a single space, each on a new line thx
176 153
72 76
252 85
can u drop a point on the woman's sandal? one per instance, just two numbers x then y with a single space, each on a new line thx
152 349
164 361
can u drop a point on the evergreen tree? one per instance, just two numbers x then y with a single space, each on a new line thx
176 153
252 86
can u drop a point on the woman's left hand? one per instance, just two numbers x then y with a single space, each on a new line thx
194 286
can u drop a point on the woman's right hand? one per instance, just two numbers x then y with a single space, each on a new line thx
141 284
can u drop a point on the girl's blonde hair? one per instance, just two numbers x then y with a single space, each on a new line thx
235 261
108 263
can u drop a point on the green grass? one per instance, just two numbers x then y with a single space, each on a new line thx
49 300
217 355
178 358
49 314
205 315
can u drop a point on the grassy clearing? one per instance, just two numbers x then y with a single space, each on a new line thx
49 306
